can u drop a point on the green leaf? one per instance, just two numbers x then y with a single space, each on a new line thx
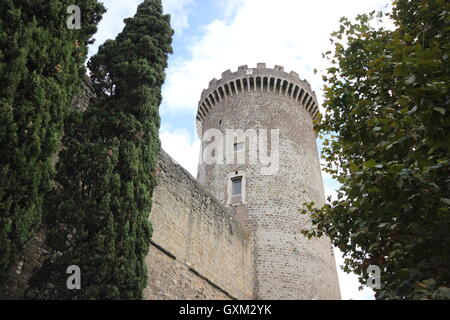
441 110
353 167
370 164
444 292
412 110
395 252
410 80
429 282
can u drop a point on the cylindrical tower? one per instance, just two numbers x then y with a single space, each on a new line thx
259 157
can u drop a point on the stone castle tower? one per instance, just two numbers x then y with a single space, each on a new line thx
263 167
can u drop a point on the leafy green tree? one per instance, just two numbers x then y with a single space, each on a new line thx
388 127
98 213
41 67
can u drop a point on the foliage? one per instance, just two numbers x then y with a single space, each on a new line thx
388 121
98 214
41 65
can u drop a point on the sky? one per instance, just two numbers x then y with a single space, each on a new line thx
212 36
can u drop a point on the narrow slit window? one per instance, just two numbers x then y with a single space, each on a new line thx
236 184
236 190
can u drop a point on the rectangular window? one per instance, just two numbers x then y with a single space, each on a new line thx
238 146
236 186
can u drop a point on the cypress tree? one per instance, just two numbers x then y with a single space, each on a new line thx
98 214
41 65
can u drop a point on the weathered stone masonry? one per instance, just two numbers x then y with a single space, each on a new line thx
199 251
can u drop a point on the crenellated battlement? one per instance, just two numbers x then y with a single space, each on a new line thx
261 78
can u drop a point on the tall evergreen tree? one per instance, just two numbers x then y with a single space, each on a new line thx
98 215
41 65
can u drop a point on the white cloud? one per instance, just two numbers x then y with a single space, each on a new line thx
292 33
182 147
112 21
179 11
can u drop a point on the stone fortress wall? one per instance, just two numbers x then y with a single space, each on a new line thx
198 250
286 265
